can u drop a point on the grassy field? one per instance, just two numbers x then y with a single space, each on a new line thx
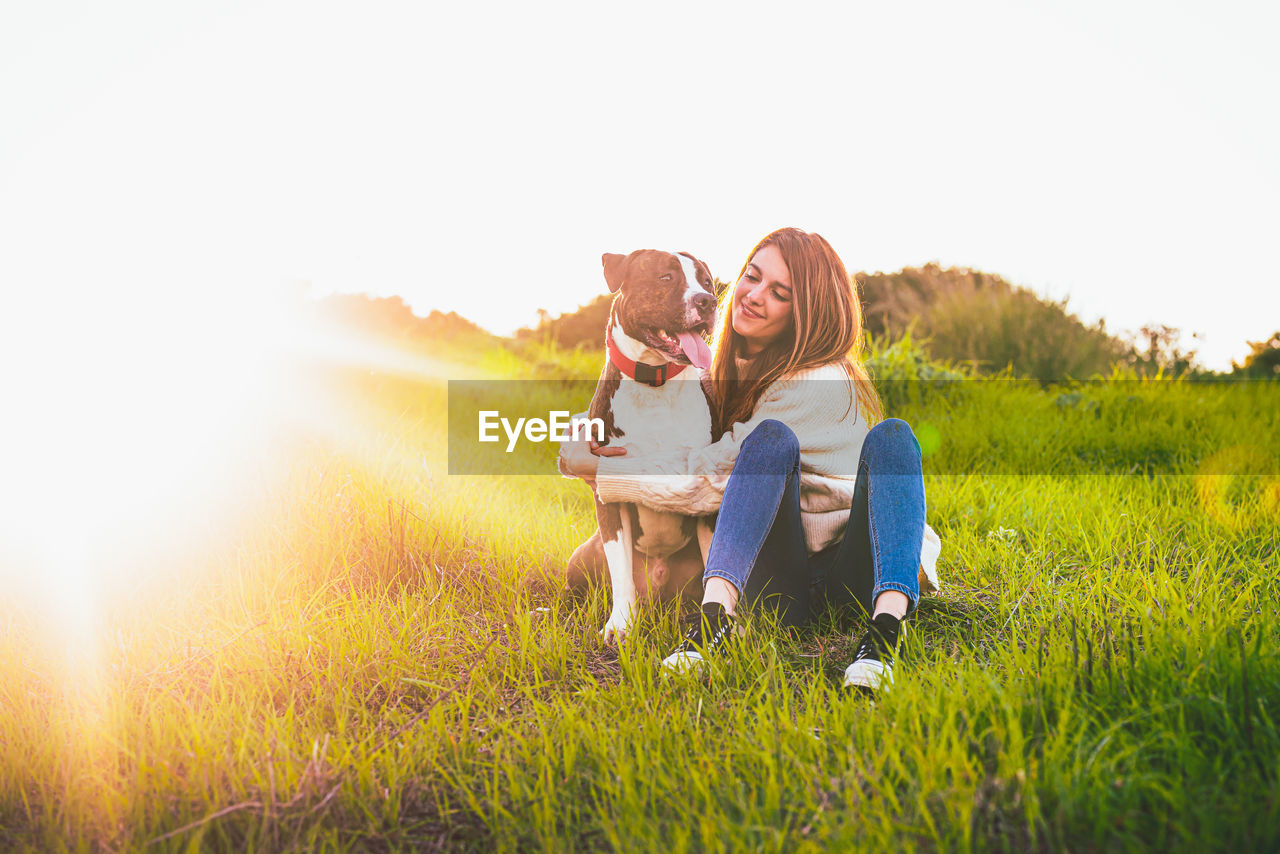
351 651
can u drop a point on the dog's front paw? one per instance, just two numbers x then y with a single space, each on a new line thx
617 628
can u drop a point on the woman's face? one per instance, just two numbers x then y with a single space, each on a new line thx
762 300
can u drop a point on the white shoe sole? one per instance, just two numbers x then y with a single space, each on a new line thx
682 662
875 675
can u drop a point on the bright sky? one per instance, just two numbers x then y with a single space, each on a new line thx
480 157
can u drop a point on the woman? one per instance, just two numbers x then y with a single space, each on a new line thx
810 496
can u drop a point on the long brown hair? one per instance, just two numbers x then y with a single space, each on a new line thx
826 327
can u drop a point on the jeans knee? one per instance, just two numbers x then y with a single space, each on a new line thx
776 436
893 437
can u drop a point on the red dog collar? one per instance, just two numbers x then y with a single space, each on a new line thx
650 375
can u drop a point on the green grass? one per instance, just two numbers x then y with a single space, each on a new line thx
356 659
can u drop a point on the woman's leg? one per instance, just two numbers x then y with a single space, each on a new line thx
877 562
758 549
880 551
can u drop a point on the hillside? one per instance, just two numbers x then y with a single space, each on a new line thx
963 316
390 319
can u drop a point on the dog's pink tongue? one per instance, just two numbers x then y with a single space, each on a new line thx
696 349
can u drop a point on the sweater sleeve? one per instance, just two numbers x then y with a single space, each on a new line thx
694 483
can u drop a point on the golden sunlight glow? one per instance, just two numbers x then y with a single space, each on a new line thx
142 412
1234 492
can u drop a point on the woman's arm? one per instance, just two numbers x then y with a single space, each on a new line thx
578 458
694 483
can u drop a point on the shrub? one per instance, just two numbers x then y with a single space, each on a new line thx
1263 359
983 321
584 325
903 374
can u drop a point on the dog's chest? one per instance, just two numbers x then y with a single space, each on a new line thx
671 417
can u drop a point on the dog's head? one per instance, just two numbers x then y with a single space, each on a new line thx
665 300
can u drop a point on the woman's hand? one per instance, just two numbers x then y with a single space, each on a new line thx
581 459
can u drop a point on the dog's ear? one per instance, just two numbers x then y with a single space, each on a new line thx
703 268
615 268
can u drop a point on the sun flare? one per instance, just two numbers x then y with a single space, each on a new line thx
148 416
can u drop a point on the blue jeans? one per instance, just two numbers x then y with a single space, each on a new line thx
759 544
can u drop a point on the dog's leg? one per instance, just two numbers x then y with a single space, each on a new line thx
586 565
615 530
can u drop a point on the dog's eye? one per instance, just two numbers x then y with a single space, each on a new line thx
665 278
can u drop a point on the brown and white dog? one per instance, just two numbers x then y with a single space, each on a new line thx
648 401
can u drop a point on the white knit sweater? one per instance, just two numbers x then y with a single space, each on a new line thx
814 403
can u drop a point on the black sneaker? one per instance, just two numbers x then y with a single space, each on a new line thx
708 631
872 668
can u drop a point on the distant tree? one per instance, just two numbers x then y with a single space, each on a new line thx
385 316
450 325
390 317
1263 359
1158 349
582 326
